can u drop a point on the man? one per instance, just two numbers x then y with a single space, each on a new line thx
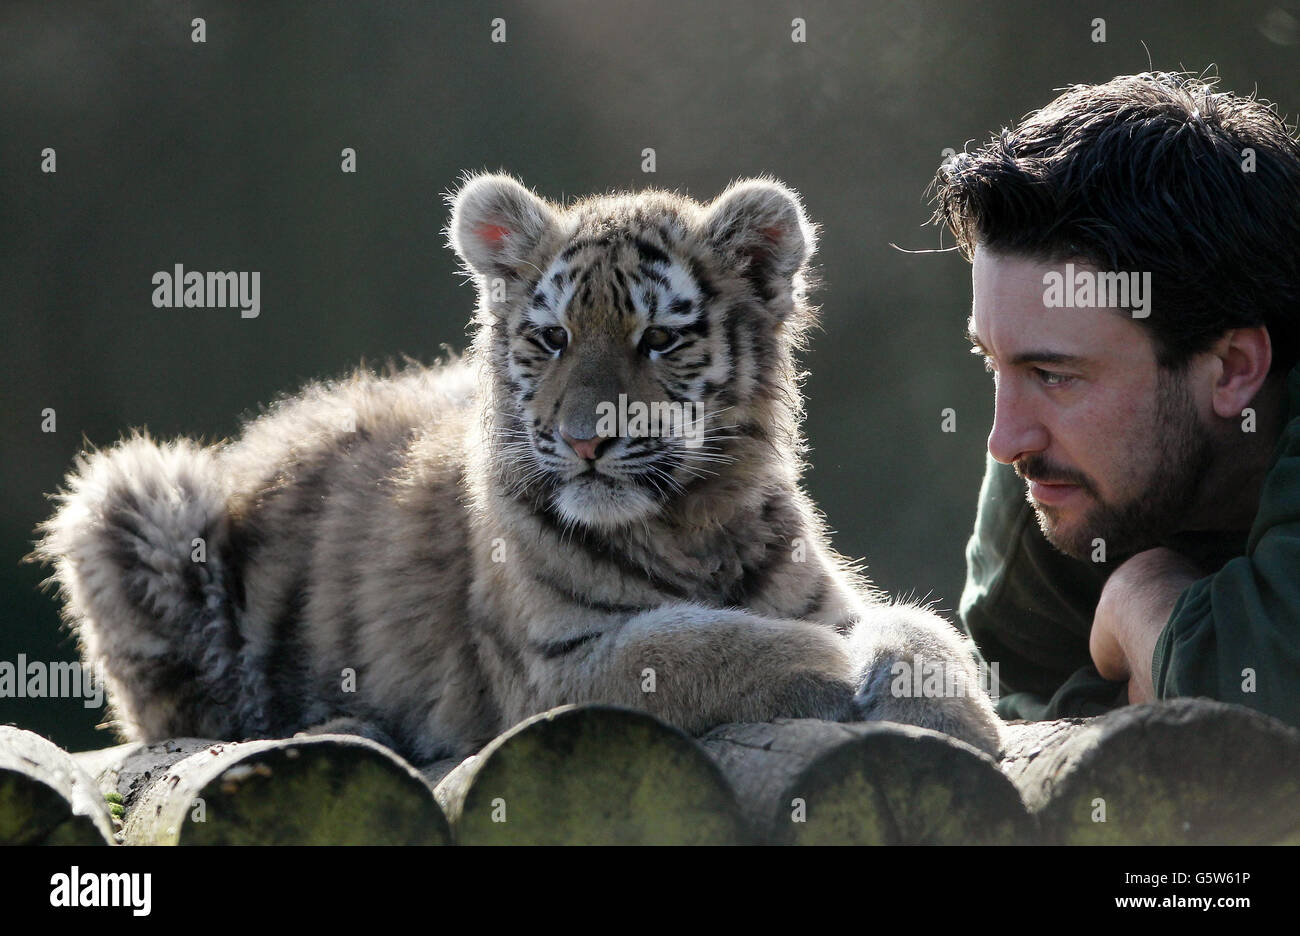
1135 252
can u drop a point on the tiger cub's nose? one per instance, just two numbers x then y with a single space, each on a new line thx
589 449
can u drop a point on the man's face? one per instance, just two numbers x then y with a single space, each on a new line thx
1113 446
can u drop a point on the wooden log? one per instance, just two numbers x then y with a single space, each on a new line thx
802 781
307 790
45 798
435 772
591 774
1184 771
124 771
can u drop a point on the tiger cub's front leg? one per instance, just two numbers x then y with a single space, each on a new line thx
698 667
913 667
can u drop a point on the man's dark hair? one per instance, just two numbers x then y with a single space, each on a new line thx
1150 173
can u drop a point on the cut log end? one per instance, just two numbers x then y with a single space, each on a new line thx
591 775
812 782
1184 771
339 790
45 798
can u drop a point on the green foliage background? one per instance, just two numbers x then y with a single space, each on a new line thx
225 156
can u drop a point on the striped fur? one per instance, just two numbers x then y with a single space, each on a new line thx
421 556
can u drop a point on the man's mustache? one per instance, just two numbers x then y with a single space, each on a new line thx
1038 468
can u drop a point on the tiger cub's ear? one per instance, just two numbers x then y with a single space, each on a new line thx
759 225
497 224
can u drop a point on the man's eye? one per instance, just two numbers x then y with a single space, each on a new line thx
658 339
1050 379
554 338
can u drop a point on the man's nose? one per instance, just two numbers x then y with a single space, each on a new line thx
1017 430
589 449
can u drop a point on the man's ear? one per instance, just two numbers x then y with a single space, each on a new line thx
497 224
760 226
1244 356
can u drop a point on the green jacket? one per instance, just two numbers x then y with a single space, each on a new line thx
1233 635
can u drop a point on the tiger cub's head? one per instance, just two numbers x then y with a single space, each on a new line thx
638 344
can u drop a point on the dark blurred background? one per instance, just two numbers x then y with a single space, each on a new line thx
225 155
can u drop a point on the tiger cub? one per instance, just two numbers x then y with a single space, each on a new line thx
600 501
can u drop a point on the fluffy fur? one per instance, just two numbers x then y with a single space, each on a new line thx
428 557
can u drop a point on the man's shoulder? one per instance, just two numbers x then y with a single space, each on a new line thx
1289 442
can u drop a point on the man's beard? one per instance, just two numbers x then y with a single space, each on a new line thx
1184 455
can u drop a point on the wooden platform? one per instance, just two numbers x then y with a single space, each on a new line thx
1188 771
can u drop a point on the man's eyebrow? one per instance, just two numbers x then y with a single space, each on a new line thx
1032 356
974 339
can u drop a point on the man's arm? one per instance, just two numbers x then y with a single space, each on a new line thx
1135 605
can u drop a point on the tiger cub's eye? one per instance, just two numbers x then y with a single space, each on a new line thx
658 339
555 338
